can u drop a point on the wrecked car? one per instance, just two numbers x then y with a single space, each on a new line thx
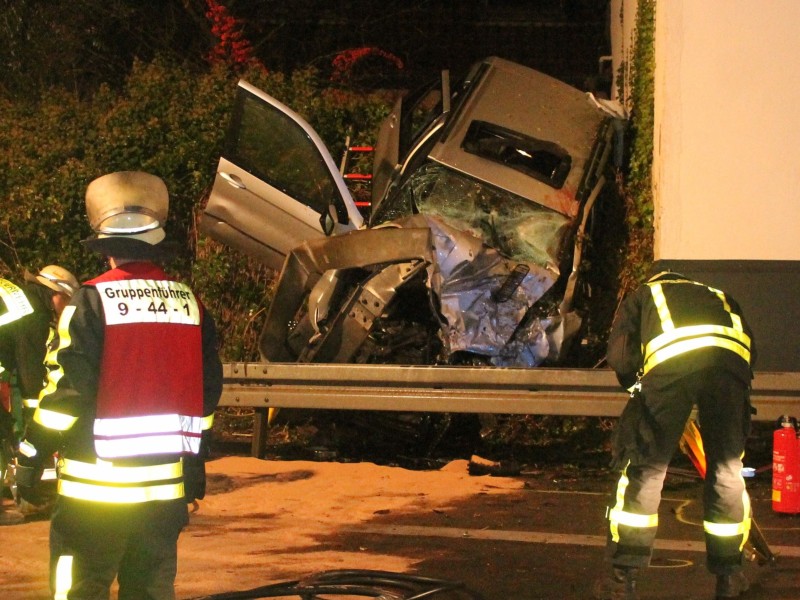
482 189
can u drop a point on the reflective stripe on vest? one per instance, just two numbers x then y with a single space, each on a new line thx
678 340
104 482
154 434
617 516
17 303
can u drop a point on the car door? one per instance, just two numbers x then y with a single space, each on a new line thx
276 183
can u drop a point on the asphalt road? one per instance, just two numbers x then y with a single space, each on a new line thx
547 541
537 534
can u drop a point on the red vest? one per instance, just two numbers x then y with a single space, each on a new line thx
150 391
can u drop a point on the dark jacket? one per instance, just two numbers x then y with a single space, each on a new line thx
638 322
23 342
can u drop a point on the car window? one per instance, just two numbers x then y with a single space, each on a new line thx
274 148
544 161
418 112
520 229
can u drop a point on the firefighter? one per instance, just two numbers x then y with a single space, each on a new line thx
131 400
28 314
679 344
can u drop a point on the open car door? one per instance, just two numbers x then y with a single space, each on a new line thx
276 184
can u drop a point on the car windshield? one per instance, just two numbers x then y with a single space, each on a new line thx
520 229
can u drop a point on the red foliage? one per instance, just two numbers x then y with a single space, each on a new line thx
344 62
232 48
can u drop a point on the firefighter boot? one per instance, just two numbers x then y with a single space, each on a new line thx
732 585
620 584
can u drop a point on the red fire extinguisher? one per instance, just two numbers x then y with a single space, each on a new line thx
786 467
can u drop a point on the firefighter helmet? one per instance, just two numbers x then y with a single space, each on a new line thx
57 279
127 211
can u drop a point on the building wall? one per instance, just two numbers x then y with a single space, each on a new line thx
726 164
727 130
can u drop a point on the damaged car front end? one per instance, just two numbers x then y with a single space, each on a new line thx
483 190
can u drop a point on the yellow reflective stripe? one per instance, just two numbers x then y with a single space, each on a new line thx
17 303
672 343
30 402
104 471
693 344
721 295
617 516
724 529
63 577
630 519
53 420
120 495
661 306
207 422
732 529
622 485
748 519
54 370
691 331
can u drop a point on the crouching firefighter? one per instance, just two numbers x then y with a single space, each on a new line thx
133 387
679 344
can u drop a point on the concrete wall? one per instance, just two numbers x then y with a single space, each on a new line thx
726 164
727 130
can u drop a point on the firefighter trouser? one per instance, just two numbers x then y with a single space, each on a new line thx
92 543
724 416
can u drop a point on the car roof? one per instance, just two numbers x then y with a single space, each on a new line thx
517 98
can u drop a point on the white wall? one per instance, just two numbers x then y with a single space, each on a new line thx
727 130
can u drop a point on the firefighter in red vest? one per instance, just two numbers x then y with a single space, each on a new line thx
132 394
679 344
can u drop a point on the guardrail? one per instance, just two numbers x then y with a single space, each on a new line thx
497 390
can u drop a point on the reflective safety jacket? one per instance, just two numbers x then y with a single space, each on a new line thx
674 326
131 388
25 323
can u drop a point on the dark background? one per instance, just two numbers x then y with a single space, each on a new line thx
563 38
81 44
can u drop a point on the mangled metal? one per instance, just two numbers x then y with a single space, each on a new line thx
461 274
484 189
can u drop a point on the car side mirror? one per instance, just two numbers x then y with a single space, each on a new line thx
327 220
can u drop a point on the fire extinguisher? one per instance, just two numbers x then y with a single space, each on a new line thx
786 467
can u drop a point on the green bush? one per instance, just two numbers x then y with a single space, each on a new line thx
170 121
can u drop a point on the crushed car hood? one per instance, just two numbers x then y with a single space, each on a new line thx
463 275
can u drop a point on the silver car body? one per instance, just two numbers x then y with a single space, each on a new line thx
481 196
